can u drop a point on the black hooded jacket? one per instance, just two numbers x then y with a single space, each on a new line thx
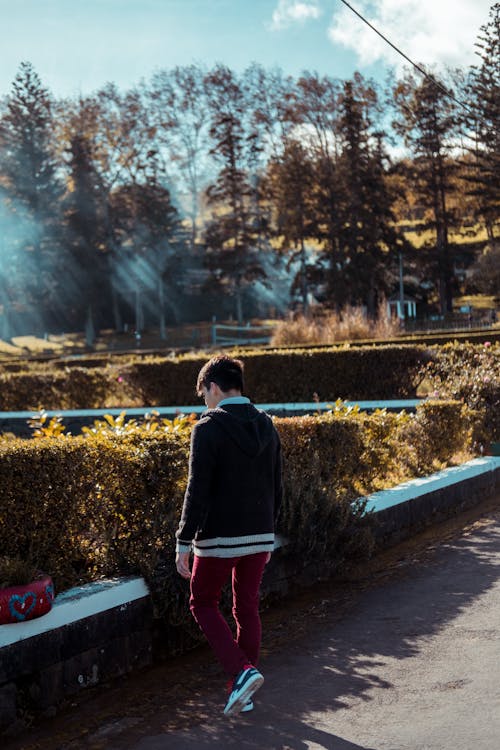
234 486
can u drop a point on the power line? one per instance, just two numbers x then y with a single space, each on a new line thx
408 59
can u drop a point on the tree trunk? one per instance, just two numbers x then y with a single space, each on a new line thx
442 249
117 317
239 304
139 314
161 302
89 328
5 332
303 278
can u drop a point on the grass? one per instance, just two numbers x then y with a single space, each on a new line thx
474 234
106 341
478 301
36 345
351 324
10 350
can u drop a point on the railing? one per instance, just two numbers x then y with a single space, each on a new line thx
237 339
411 326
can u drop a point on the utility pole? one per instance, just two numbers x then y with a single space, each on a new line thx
401 289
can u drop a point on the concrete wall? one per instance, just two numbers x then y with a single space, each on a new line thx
410 507
86 638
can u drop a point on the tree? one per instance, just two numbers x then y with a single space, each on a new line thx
427 121
178 106
368 242
232 234
269 95
145 222
314 113
90 132
32 192
482 120
291 182
113 170
485 272
85 213
353 220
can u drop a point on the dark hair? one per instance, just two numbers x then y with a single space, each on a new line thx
226 372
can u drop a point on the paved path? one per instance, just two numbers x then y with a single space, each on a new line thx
411 663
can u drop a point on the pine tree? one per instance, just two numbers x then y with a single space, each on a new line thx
86 263
368 241
232 235
428 123
290 182
33 191
482 120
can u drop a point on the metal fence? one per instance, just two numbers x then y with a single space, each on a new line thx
229 335
423 326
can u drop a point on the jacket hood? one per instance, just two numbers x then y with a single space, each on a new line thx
250 428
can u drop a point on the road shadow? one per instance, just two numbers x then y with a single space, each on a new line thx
267 738
334 662
333 667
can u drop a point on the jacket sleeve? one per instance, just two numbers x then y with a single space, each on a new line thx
278 480
198 492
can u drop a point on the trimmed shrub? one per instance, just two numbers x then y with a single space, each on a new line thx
440 433
84 508
15 572
164 382
79 388
333 460
271 376
109 504
323 469
470 374
466 372
290 375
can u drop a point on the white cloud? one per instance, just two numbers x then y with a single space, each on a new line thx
289 12
441 32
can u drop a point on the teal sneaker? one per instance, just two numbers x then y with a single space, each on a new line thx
245 684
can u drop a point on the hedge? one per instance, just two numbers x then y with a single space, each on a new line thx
81 508
84 507
466 372
271 376
470 374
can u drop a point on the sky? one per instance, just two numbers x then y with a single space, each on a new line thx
77 46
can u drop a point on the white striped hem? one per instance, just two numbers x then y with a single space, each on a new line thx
233 551
235 546
235 541
279 541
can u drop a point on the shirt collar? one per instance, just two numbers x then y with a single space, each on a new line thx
234 400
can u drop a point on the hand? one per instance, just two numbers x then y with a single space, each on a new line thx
182 564
268 557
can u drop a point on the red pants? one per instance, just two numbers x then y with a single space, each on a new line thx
208 576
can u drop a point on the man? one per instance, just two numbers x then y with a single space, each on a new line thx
228 518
